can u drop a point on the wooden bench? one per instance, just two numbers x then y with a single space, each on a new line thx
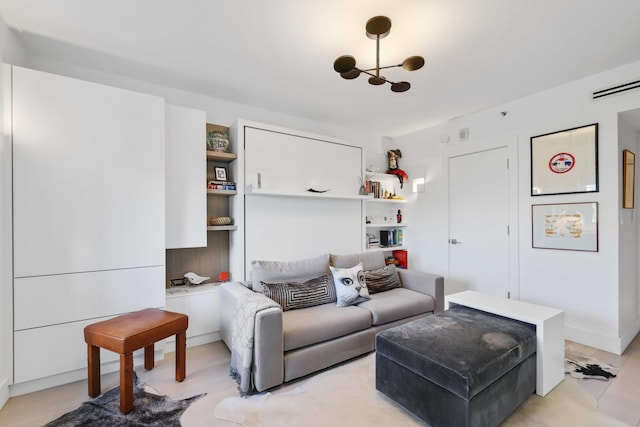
127 333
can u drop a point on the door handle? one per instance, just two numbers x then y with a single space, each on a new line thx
455 242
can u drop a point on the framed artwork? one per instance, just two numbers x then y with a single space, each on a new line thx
567 226
628 179
565 161
221 173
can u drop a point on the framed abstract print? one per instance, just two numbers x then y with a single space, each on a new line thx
565 161
568 226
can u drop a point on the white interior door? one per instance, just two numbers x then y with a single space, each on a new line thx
479 221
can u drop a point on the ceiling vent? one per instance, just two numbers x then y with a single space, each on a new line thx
615 89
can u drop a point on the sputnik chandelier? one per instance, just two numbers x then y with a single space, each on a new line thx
377 28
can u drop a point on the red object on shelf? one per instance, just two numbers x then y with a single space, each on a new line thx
223 276
402 257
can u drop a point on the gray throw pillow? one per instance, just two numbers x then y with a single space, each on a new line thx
369 260
382 279
287 271
294 295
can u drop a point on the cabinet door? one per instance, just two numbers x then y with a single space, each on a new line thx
186 194
88 176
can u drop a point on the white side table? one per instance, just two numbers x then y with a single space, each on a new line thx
549 323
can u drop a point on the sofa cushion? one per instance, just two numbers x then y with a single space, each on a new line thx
321 323
369 260
351 287
397 304
303 269
382 279
294 295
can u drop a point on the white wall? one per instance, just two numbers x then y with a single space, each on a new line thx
10 50
584 284
628 232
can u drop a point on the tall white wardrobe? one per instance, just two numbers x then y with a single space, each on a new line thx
88 215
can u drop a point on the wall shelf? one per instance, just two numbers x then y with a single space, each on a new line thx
387 225
388 249
222 227
221 156
250 191
371 199
213 192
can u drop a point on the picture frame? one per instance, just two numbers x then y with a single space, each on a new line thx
565 226
628 179
565 162
221 173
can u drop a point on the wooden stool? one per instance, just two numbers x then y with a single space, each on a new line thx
130 332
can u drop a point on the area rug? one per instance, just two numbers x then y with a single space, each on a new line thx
579 365
346 395
149 409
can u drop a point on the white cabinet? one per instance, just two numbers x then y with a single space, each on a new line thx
88 176
89 212
186 169
201 304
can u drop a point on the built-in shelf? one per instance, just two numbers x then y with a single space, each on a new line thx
221 156
214 192
387 225
371 199
388 249
250 191
222 227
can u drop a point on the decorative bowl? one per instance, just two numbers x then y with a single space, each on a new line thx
220 220
217 141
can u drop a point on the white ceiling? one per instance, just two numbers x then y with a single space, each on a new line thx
278 54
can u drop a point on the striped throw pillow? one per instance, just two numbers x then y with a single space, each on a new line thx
293 295
382 279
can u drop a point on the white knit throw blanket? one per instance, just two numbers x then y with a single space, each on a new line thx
242 339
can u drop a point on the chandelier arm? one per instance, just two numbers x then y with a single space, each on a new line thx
382 68
373 75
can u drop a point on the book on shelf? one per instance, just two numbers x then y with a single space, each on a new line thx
221 185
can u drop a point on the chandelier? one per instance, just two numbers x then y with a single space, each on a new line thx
377 28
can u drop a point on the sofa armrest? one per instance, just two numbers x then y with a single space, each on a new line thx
429 284
268 355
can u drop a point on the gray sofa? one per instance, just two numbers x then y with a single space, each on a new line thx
294 343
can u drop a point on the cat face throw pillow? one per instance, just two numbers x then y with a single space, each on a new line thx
350 284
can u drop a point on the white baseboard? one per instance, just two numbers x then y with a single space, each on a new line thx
4 392
629 334
170 344
612 344
77 375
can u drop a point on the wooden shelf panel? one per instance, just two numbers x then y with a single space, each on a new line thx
222 227
213 192
221 156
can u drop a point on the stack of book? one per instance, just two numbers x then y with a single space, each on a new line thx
391 238
221 185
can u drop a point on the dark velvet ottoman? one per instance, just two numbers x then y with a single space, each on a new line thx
460 367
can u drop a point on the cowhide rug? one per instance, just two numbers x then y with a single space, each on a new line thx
149 409
579 365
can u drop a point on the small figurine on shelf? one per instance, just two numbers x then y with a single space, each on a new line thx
399 216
